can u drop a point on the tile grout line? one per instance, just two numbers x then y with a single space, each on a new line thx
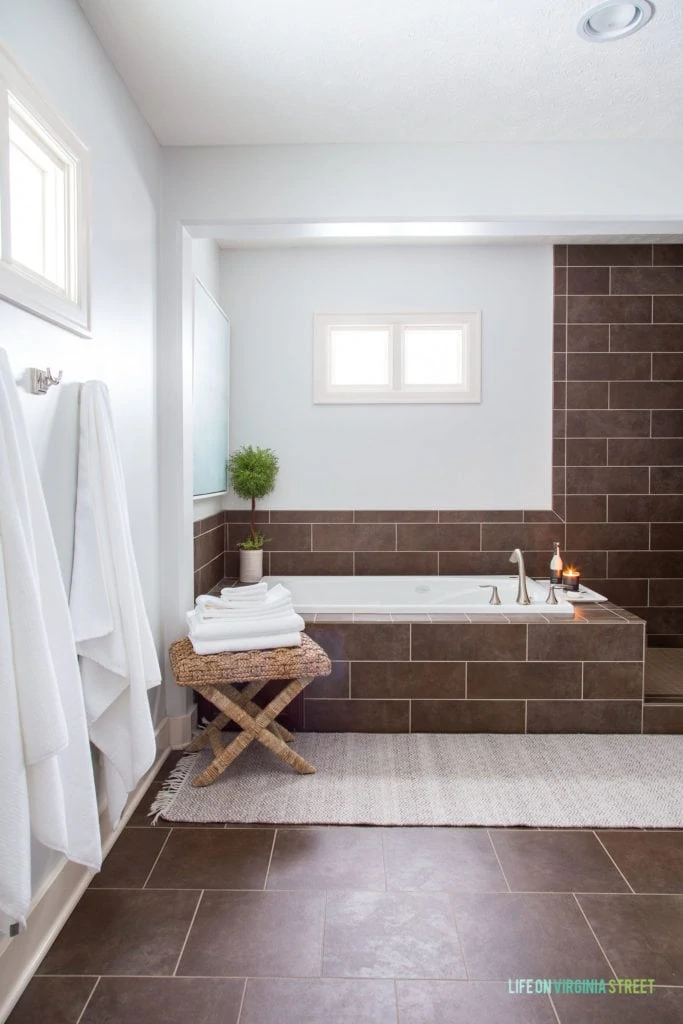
295 977
493 845
322 934
270 859
398 1012
244 992
180 955
87 1002
461 944
557 1016
156 861
576 899
614 862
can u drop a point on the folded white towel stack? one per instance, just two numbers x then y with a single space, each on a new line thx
245 619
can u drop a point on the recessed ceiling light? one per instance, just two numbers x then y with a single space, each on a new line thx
614 20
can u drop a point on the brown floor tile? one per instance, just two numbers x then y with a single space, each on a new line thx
526 936
331 858
469 1002
641 935
131 859
664 1006
555 861
441 859
214 859
259 934
140 818
122 932
168 765
390 935
171 1000
651 861
321 1001
52 1001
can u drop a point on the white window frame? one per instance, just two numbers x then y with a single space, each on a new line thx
69 307
325 393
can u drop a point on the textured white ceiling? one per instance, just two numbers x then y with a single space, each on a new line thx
217 72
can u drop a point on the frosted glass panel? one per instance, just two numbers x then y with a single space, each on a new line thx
210 394
360 357
432 357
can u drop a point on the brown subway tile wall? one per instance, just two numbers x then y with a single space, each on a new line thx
398 542
209 552
624 431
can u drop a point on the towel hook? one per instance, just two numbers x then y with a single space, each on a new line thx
42 380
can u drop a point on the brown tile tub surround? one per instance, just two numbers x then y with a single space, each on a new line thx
584 675
210 542
619 365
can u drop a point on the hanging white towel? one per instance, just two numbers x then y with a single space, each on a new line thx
47 785
119 662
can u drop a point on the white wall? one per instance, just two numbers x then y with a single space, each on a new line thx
544 181
206 260
54 45
496 454
206 266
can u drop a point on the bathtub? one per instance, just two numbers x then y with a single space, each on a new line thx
414 595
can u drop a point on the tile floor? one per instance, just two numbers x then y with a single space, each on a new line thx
220 925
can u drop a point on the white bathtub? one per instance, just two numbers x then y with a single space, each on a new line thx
417 594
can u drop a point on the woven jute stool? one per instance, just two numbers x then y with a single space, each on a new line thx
214 676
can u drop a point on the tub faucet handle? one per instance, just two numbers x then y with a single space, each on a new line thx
495 596
552 596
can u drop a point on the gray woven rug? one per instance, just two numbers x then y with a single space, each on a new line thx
473 779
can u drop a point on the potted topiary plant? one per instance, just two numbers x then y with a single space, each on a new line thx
252 473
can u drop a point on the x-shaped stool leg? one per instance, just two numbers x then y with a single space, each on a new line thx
254 728
243 700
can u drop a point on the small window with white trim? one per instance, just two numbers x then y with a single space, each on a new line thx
407 357
44 229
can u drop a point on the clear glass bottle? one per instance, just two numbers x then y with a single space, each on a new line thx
556 564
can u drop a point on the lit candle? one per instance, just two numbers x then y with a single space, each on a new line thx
571 579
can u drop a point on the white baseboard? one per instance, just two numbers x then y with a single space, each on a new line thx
59 894
181 728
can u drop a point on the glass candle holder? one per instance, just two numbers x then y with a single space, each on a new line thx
571 579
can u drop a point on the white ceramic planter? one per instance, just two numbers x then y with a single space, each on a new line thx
251 565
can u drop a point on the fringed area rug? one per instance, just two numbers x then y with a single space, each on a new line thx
473 779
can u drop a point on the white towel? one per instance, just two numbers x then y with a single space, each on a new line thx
47 785
224 629
239 595
119 662
210 608
252 643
